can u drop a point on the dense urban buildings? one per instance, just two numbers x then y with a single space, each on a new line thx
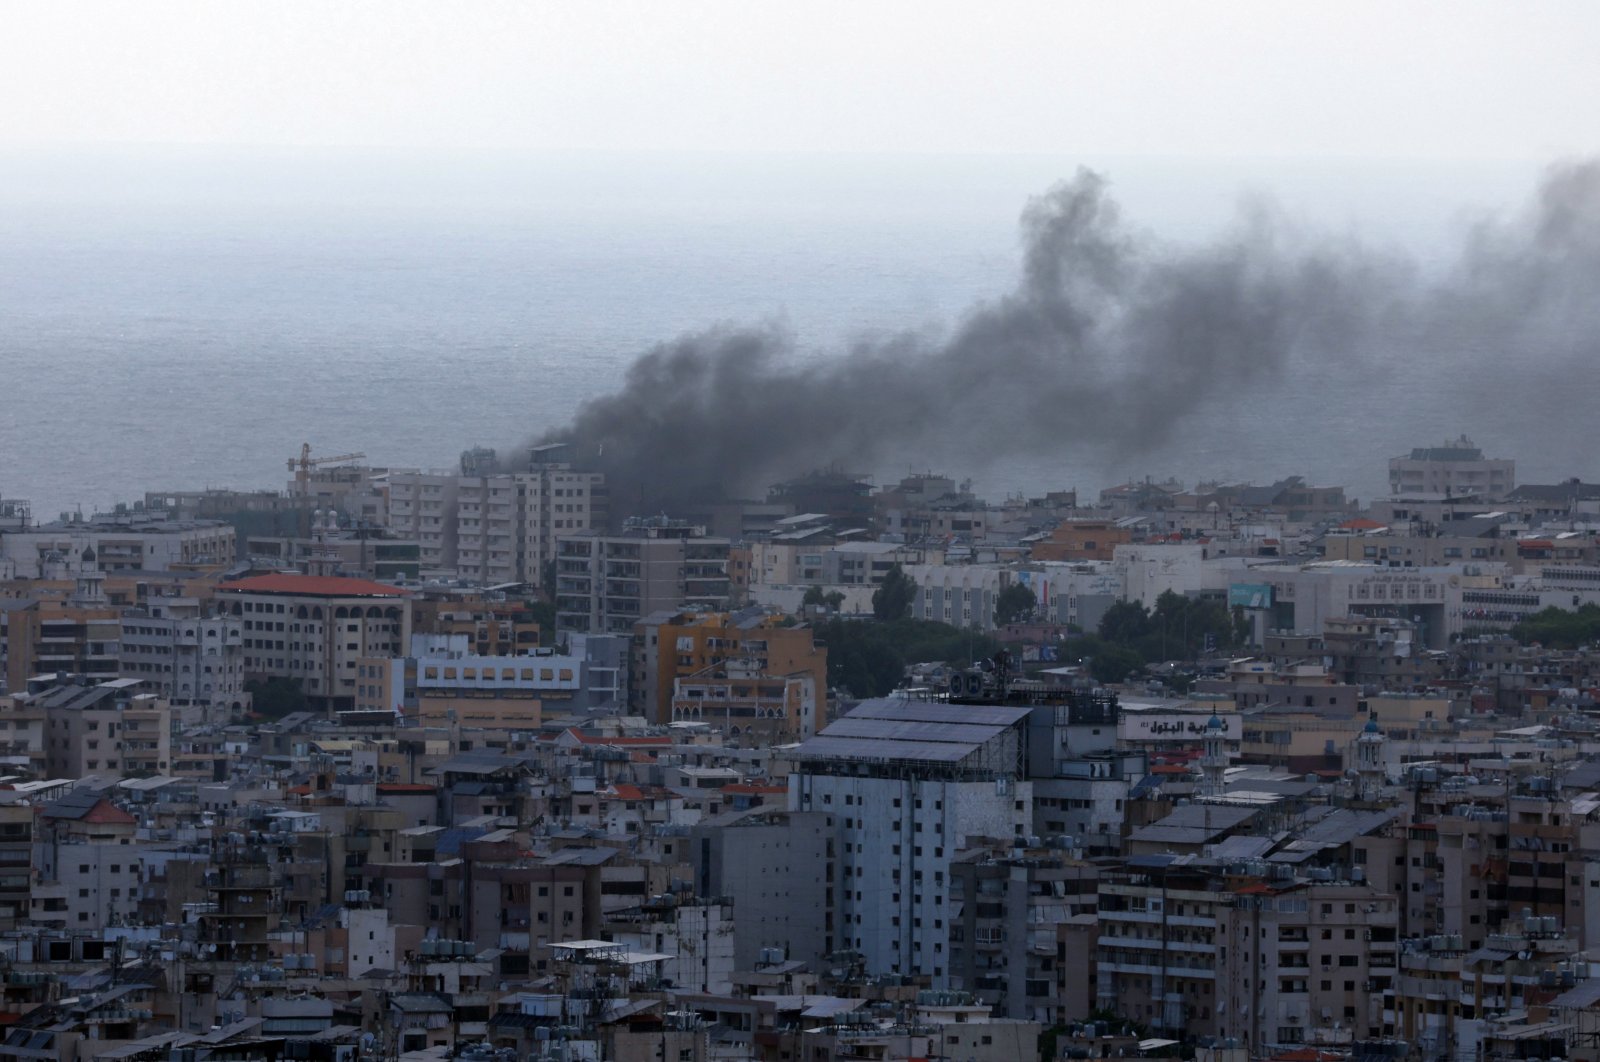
449 764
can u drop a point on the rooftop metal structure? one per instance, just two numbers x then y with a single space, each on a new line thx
899 736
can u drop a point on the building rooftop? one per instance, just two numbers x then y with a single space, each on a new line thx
311 586
897 728
1193 824
84 805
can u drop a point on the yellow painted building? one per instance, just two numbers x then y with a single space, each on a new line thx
731 670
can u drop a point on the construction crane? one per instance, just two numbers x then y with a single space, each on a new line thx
301 467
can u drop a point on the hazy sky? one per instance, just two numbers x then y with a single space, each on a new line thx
1353 79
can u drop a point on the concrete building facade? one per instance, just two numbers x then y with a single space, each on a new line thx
194 660
315 630
904 807
495 527
605 584
1454 468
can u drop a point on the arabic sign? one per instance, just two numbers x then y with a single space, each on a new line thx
1188 727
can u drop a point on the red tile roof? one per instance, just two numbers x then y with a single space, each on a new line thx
312 586
1361 523
107 812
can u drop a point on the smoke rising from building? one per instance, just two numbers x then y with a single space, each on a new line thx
1114 341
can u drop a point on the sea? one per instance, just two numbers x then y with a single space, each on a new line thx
179 318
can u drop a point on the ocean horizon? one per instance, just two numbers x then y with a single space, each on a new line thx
179 319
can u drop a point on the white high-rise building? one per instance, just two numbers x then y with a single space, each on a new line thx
909 784
422 506
495 527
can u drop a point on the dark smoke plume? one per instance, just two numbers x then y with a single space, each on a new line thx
1114 342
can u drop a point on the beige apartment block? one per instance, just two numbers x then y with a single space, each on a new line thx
315 630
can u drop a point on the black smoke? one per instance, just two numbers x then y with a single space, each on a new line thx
1114 341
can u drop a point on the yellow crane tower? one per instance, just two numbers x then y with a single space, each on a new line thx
301 467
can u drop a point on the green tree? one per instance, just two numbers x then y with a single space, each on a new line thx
892 600
1109 662
829 599
544 614
1182 627
1015 602
1125 622
1560 628
870 659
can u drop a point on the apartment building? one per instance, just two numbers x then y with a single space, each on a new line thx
495 527
443 683
605 584
93 727
741 671
89 868
492 627
22 733
136 542
911 784
962 595
780 870
1157 960
1305 962
1298 500
1398 550
557 500
1082 540
194 660
1444 990
1247 951
315 630
16 863
697 934
1452 468
363 551
53 637
1006 907
422 508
